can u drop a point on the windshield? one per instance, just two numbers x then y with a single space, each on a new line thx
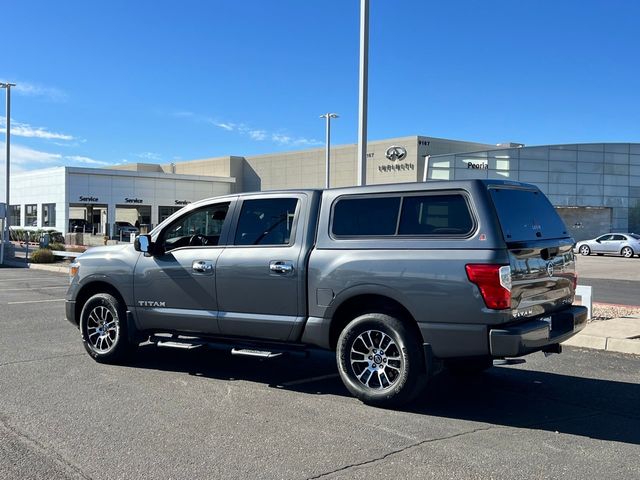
635 235
526 214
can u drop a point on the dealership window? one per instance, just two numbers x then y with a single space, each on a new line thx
49 215
31 215
14 215
166 212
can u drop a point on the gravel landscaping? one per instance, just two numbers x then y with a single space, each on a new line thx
604 311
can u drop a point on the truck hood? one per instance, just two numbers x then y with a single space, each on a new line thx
107 250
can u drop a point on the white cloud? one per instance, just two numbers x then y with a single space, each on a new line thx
26 157
282 139
258 134
25 130
86 160
149 156
35 90
229 127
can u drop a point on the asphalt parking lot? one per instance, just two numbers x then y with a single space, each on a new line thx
614 279
204 414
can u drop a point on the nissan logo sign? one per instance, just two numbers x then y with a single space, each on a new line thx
394 153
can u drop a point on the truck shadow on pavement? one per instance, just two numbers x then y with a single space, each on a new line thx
501 397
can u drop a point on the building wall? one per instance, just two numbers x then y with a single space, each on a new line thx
40 187
306 169
70 187
577 175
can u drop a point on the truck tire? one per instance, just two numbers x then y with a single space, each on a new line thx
381 361
103 327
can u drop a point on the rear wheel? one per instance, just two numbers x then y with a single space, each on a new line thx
585 250
627 252
104 328
380 360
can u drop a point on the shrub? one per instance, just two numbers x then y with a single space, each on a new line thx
57 246
17 234
42 255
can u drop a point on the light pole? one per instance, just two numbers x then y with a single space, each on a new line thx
362 97
328 116
5 231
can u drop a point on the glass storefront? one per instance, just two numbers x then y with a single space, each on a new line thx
166 212
48 214
31 215
14 215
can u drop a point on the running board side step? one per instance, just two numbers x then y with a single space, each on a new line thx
181 345
248 352
191 343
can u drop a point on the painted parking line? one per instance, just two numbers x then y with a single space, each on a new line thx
32 287
37 301
310 380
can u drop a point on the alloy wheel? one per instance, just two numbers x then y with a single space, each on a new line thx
102 329
376 360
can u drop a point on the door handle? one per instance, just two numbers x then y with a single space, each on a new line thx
278 266
202 266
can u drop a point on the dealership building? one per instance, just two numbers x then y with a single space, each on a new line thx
595 187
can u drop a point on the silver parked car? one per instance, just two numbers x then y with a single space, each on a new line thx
625 244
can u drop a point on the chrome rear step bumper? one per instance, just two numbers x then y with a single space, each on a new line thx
538 334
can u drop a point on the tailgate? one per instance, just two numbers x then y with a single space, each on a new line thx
541 258
543 277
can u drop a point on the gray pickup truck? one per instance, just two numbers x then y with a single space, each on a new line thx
400 280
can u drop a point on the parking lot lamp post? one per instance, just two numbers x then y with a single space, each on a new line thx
328 116
5 233
362 93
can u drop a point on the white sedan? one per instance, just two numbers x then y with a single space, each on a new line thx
625 244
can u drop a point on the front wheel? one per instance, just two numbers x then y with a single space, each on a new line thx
380 360
627 252
585 250
104 328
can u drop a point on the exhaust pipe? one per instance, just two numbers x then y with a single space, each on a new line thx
554 348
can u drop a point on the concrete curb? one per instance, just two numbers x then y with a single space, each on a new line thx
620 335
38 266
620 345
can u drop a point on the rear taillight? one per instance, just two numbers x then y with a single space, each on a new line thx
494 282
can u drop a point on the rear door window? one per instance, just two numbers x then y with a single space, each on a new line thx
267 221
526 214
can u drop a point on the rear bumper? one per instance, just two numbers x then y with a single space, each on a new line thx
534 335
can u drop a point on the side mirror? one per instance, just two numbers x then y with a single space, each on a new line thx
598 240
142 243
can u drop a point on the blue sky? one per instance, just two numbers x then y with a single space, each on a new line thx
157 81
